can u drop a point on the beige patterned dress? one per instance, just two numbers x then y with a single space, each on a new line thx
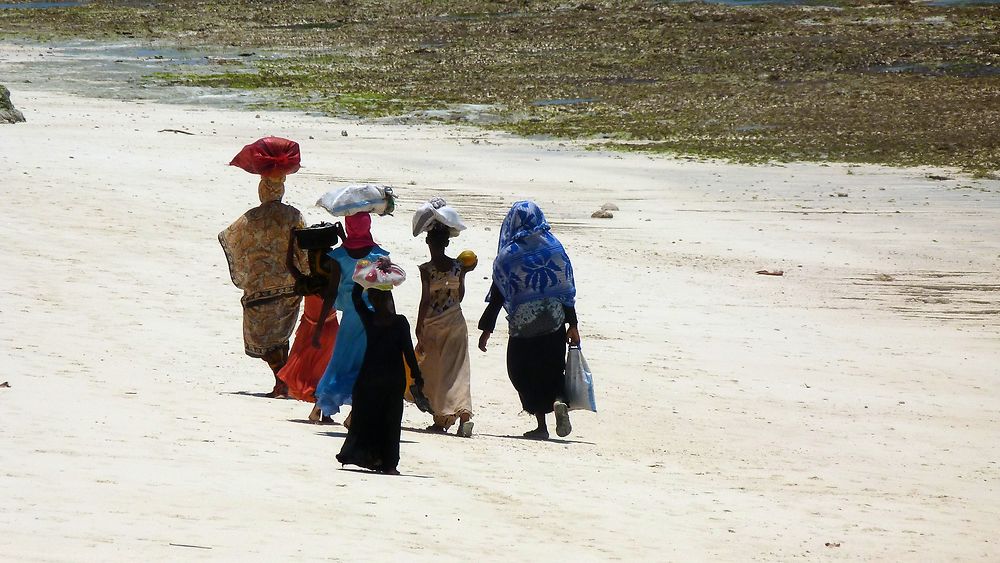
445 339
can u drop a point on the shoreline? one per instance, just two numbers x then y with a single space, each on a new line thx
741 416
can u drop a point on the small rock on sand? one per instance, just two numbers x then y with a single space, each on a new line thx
602 214
609 207
8 114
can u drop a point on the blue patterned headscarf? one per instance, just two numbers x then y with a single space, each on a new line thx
531 263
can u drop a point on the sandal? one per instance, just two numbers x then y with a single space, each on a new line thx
563 426
465 429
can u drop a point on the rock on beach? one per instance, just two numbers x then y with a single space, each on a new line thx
8 114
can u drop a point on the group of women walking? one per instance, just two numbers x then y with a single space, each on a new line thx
367 359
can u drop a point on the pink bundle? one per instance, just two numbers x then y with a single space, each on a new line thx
380 274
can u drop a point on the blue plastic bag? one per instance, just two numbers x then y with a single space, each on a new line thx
579 382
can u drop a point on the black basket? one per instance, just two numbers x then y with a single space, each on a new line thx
316 237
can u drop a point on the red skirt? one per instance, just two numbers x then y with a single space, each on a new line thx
306 364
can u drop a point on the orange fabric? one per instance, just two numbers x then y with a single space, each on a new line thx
306 364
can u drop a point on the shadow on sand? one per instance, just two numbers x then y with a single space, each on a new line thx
370 472
310 422
250 394
553 440
344 435
426 431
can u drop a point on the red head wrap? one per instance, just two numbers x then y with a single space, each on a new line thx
359 231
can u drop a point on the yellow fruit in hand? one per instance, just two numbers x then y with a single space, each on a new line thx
467 258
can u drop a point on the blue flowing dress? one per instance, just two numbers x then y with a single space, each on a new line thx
337 384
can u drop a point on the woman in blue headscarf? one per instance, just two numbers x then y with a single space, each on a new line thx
533 282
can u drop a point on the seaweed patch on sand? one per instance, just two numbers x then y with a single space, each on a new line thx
899 83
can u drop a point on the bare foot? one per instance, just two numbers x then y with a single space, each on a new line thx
316 415
537 434
279 392
436 428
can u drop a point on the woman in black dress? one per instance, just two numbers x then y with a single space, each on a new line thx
373 437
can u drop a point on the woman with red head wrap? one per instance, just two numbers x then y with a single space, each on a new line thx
255 247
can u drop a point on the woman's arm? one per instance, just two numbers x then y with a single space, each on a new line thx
425 301
488 322
329 297
408 355
290 258
359 305
572 333
461 278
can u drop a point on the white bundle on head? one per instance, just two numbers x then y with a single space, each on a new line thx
359 198
434 212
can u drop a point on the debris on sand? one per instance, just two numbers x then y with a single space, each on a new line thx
5 385
884 278
771 272
609 207
602 214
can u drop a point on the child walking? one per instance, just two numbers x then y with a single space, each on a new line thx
373 436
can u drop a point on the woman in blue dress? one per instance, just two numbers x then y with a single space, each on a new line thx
337 384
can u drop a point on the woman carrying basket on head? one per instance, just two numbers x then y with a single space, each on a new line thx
442 334
306 364
255 248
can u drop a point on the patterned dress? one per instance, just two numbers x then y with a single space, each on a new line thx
445 339
255 247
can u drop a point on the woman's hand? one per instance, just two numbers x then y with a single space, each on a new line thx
573 336
470 267
483 339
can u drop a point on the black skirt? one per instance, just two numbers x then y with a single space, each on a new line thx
536 366
377 403
373 439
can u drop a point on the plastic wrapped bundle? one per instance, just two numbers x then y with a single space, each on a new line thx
359 198
434 212
269 156
380 274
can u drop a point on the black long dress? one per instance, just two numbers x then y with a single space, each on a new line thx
377 407
535 364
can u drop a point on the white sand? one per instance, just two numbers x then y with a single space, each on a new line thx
742 416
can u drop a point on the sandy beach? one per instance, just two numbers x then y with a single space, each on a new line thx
846 410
